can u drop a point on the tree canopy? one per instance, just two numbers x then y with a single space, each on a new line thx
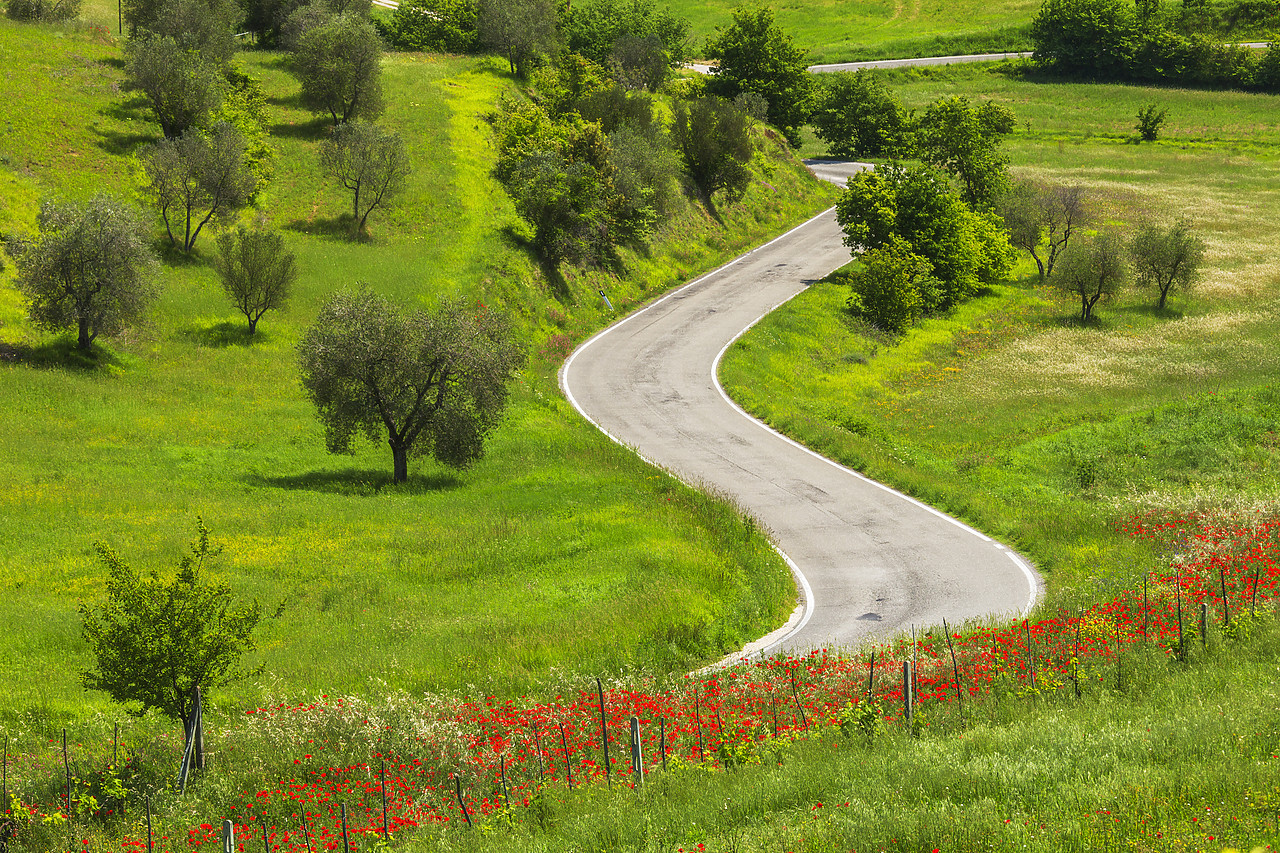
181 86
518 29
1166 258
430 382
857 116
964 141
339 64
257 271
199 178
156 639
1042 219
368 161
90 268
1092 270
755 55
713 136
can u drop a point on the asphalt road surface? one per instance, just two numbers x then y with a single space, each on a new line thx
869 562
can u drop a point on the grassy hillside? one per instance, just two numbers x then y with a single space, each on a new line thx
558 553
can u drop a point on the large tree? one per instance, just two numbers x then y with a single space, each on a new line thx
755 55
964 141
181 86
857 116
713 137
1166 259
1042 219
199 178
430 382
1086 38
157 639
257 271
1092 270
90 268
339 64
916 203
368 161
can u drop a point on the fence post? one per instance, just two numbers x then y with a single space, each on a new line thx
66 762
637 759
908 699
1204 624
228 833
804 721
568 766
662 742
604 735
955 669
457 783
346 841
1031 657
382 780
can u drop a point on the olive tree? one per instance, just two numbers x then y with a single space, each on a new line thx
1165 259
518 29
157 639
339 64
257 271
1092 270
429 382
368 161
198 178
89 269
1042 219
181 86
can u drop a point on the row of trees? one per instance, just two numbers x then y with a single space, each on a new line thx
1144 42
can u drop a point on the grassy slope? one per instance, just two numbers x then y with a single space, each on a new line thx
557 553
1038 431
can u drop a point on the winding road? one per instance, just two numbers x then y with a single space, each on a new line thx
868 561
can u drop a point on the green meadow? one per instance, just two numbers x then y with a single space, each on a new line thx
559 554
1006 412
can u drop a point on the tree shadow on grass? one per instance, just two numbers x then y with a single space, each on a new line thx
61 353
317 128
332 227
221 335
360 482
121 143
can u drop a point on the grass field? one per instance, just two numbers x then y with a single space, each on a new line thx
557 554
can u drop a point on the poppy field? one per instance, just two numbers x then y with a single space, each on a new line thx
345 773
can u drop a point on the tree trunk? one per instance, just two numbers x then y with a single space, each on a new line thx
85 340
253 326
1164 296
400 456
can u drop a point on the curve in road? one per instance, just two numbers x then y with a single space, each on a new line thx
869 561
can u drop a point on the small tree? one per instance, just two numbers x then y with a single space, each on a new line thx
714 139
520 30
339 64
257 271
181 86
199 178
857 116
155 640
1091 271
90 269
755 55
431 382
1166 258
206 27
893 286
368 161
1150 119
1037 215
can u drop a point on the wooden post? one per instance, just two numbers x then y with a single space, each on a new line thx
1119 660
908 700
662 742
1182 638
1226 611
228 833
1031 657
1075 655
604 735
697 716
457 784
266 843
1204 623
502 774
1146 608
871 675
346 841
1253 594
568 767
955 669
199 733
804 721
537 746
66 762
306 833
115 751
773 700
637 758
382 780
719 726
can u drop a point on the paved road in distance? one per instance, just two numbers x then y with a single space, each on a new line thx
869 561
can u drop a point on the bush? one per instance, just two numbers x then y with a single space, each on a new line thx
43 10
891 289
439 26
1150 118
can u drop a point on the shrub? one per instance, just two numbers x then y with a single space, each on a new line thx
1150 119
43 10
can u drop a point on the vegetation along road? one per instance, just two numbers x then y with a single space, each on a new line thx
869 561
